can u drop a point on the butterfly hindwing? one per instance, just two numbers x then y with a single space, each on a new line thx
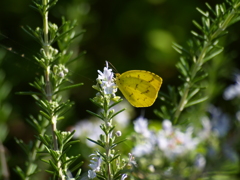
139 87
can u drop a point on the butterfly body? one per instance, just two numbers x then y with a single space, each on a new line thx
139 87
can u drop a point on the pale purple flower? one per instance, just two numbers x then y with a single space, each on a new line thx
174 143
207 129
141 126
91 174
233 90
124 176
167 126
107 80
200 162
131 160
238 115
217 124
118 133
95 162
220 121
145 148
87 128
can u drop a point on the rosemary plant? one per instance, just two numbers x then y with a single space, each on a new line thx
107 163
53 147
201 48
5 110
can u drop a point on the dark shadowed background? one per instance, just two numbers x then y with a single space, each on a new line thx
130 34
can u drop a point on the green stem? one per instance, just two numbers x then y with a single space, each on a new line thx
3 162
198 63
49 95
45 27
48 71
107 146
108 152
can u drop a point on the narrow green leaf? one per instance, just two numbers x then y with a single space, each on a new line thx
50 172
199 78
113 115
94 114
77 166
98 143
197 25
115 157
45 160
213 54
193 93
43 140
206 14
198 35
96 103
32 33
20 172
28 93
68 87
79 171
53 166
115 144
197 101
72 142
80 55
45 115
115 103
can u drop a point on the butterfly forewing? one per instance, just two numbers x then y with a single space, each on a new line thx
139 87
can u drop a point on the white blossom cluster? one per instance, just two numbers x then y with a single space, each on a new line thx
106 79
172 142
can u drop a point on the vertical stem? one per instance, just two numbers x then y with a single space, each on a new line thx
5 172
107 146
45 27
108 156
46 46
54 129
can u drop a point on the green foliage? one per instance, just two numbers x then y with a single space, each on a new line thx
51 104
107 163
201 48
5 110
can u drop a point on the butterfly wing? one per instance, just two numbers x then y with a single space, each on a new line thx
139 87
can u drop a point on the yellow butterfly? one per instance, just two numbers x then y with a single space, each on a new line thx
139 87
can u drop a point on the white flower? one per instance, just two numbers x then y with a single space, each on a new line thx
107 81
220 122
131 160
207 127
141 126
233 90
238 115
118 133
200 162
174 143
167 126
87 128
124 176
91 174
95 162
143 149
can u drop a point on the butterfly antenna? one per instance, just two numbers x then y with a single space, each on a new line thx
12 50
112 66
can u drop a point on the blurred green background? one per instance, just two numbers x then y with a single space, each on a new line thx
130 34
